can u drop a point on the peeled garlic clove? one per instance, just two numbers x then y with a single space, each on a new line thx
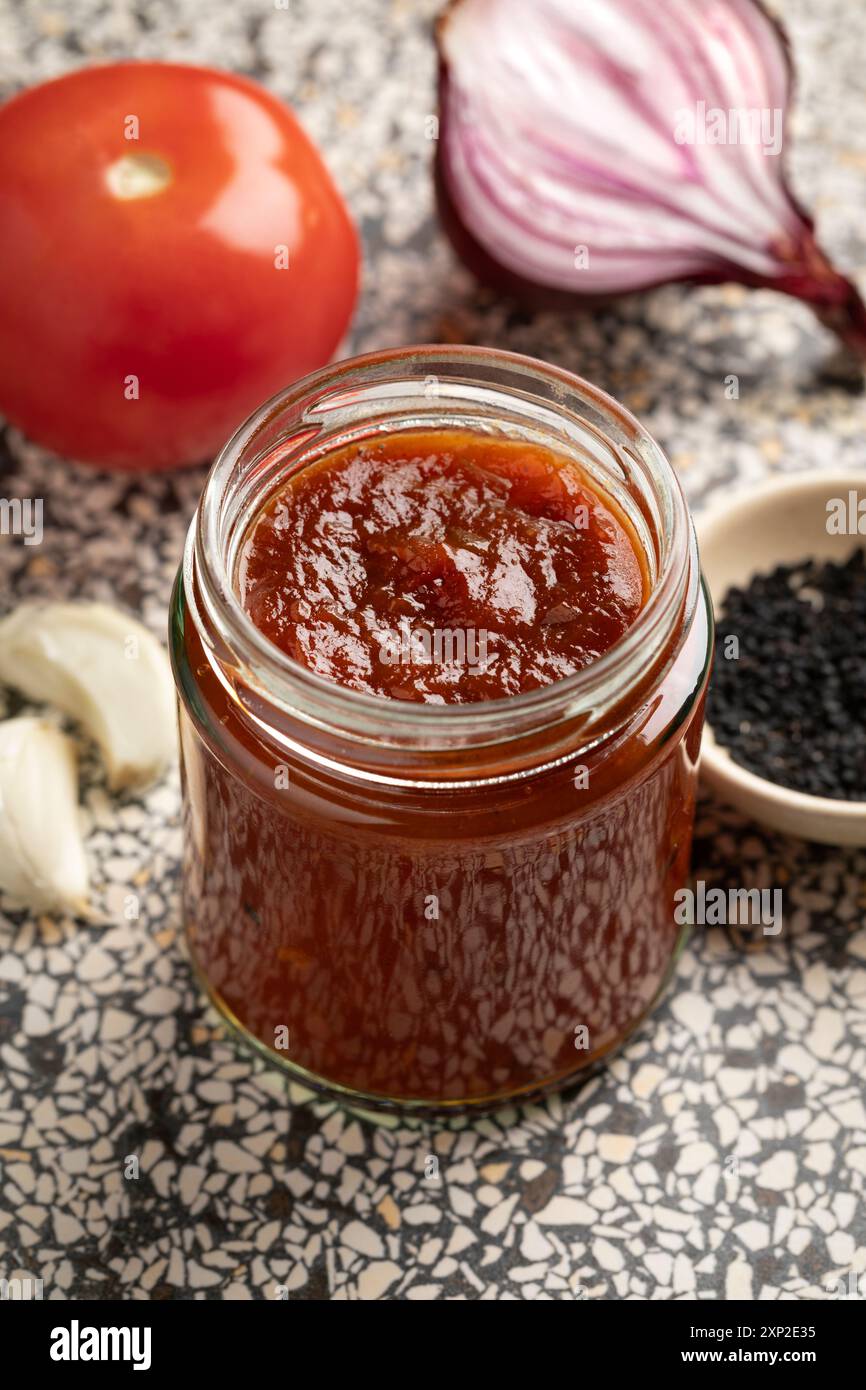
104 670
42 863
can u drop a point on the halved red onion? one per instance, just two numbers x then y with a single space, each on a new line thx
595 147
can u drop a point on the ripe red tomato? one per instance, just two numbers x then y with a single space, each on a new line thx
172 252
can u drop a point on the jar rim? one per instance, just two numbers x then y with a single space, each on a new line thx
301 693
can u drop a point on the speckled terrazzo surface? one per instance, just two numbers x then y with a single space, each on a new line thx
724 1154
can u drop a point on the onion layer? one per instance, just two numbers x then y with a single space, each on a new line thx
593 148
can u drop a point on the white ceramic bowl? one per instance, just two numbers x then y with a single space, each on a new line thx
751 531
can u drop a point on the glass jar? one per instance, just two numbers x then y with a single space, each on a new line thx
437 906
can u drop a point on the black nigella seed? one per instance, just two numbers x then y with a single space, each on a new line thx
791 704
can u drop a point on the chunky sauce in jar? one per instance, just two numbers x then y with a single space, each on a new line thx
496 542
446 942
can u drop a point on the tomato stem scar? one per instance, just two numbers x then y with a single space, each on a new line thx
138 176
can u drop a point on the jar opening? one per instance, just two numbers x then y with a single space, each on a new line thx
439 387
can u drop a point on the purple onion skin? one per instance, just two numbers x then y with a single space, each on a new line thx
812 278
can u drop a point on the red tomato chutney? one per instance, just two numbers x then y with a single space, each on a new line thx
439 918
442 567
